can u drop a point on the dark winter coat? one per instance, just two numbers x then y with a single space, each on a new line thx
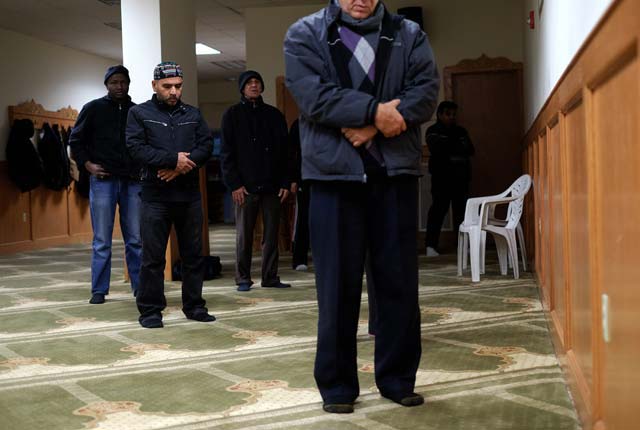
25 167
326 105
254 151
156 133
450 151
99 136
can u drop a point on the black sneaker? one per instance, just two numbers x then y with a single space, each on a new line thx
406 399
277 285
202 316
338 408
151 321
97 299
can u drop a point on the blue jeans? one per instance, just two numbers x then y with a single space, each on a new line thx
104 195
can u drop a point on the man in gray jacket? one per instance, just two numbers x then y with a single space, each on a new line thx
364 80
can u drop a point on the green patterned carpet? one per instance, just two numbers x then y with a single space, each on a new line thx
488 362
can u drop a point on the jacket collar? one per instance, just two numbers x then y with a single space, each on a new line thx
165 107
246 102
126 101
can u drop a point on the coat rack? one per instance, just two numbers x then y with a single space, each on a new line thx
65 117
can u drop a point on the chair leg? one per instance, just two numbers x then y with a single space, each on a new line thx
513 253
483 251
523 246
461 250
503 253
465 250
474 251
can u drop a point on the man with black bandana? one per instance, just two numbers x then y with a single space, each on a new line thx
364 80
172 141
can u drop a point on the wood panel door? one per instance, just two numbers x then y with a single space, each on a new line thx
488 92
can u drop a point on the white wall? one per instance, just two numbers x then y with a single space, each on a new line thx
560 31
52 75
457 30
265 31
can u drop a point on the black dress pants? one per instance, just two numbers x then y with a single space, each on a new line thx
347 221
301 232
445 191
155 227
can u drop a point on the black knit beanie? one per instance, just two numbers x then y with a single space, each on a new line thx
245 76
116 69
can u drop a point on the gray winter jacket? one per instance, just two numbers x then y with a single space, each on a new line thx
325 106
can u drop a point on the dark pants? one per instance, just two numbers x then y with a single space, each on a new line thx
155 226
347 221
445 191
301 233
246 216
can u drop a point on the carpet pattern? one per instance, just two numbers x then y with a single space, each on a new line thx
488 362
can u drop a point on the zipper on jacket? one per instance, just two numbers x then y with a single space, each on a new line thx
156 122
364 178
188 122
119 120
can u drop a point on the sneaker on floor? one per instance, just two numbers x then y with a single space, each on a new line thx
302 268
151 321
277 285
338 408
431 252
97 299
244 286
202 316
407 399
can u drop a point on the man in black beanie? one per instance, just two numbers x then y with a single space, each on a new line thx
254 160
98 144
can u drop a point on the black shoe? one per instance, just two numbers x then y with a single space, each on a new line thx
338 408
277 285
407 399
151 321
97 299
202 316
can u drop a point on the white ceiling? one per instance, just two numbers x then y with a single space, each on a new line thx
85 25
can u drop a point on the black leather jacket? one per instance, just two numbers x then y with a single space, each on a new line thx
156 133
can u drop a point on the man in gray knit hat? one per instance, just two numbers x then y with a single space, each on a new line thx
172 141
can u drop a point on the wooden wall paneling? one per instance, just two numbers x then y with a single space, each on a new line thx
538 208
578 244
49 214
556 231
15 212
545 244
599 94
529 213
616 92
79 214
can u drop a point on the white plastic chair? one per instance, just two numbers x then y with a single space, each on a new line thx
478 220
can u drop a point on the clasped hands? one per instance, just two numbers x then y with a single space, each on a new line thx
387 120
183 166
